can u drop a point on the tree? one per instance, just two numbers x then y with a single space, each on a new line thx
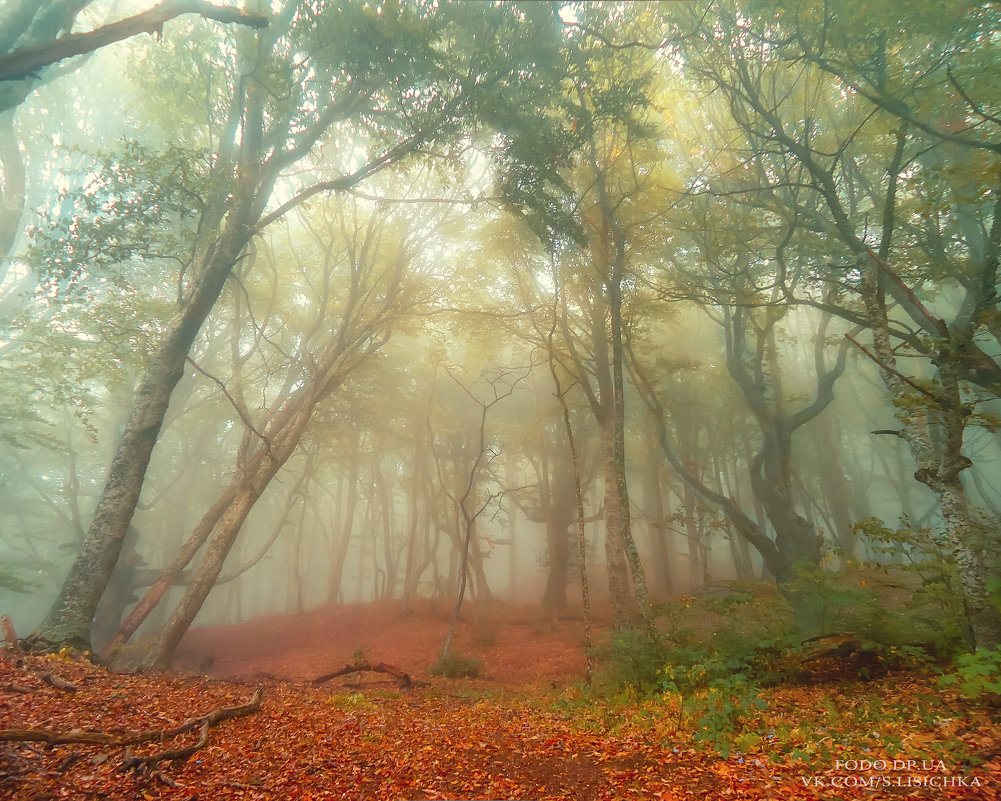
368 266
313 71
589 272
35 37
27 23
826 172
465 489
733 282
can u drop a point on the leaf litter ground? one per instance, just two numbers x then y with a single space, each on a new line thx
521 732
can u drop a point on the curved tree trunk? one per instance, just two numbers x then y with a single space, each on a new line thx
69 619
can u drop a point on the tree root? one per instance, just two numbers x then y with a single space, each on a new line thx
131 762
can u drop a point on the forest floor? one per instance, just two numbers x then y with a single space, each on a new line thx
524 730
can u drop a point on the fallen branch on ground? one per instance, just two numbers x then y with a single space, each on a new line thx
377 667
59 683
130 762
133 738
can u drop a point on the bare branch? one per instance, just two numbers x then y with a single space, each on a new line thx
239 407
883 366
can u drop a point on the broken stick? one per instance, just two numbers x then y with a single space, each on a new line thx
130 762
59 682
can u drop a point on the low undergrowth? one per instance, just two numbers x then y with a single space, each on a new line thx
748 672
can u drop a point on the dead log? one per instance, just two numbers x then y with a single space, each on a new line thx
374 667
58 738
837 657
132 738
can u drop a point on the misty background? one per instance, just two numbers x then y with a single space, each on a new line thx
748 255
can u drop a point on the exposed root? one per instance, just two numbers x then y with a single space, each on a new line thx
130 762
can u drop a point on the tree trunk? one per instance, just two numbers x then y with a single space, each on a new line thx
12 185
697 570
661 541
555 596
246 488
168 575
615 557
341 528
933 427
69 620
837 490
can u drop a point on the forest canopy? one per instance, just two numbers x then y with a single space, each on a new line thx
319 301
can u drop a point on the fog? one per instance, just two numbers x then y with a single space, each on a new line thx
765 361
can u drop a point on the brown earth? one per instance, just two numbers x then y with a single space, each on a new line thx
515 645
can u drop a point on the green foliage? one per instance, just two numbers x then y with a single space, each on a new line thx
634 660
977 675
125 206
934 611
718 713
707 672
708 677
456 666
352 702
823 604
747 630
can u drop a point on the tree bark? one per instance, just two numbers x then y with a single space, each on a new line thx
69 620
168 576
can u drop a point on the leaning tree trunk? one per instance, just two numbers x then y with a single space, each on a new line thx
69 620
216 550
168 576
247 487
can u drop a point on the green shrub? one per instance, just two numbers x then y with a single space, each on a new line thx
456 666
634 660
933 611
978 675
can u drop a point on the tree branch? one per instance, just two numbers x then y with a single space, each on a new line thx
883 366
239 407
26 61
